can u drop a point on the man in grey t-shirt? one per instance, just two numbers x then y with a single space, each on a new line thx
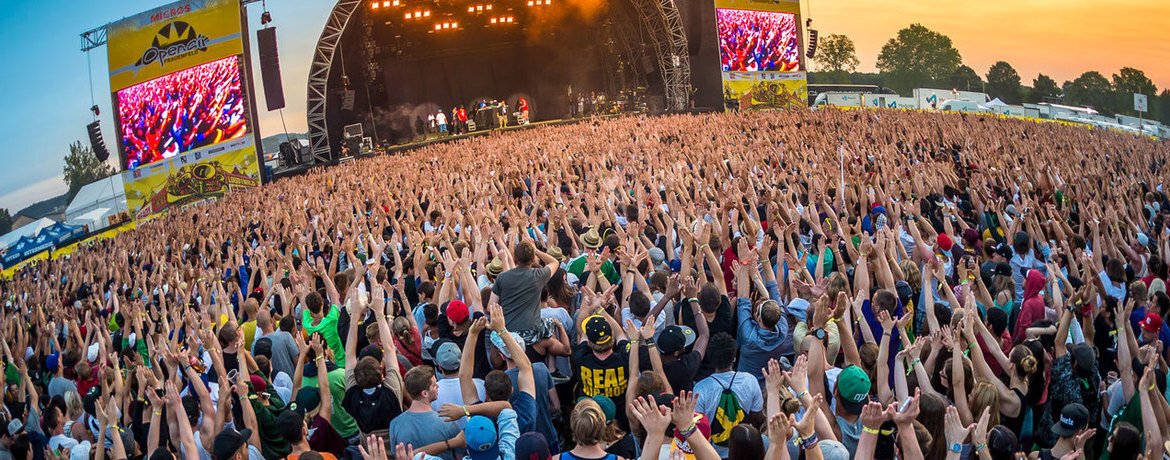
284 351
518 290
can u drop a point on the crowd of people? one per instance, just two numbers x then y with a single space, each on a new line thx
182 111
692 286
757 40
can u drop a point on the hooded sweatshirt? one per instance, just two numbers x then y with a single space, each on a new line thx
1033 306
756 344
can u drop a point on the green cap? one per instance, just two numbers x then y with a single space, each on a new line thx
10 374
853 386
607 406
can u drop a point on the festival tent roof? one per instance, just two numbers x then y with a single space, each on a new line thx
105 193
996 103
11 238
46 238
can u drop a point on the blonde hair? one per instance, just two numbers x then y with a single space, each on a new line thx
588 423
73 405
985 395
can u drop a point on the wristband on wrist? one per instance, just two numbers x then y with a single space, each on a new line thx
802 394
809 442
466 413
689 431
869 430
980 447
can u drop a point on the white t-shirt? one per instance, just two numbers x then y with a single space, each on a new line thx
450 392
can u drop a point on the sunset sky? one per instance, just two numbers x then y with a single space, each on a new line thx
45 87
1060 38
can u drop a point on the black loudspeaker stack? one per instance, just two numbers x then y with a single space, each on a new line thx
96 142
270 68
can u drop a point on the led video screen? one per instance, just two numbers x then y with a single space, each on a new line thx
182 111
757 41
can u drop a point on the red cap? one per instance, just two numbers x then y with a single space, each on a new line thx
457 311
945 242
258 384
1152 322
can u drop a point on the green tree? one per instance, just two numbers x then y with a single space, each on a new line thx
964 78
837 55
1163 107
917 57
1091 89
1004 82
83 168
1127 82
5 221
1043 89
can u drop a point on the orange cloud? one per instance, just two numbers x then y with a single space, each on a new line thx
1059 38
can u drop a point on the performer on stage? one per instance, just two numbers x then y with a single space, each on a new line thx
524 110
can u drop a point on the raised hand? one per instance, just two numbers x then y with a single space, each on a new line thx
653 417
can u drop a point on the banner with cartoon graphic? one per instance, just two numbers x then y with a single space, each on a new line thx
193 177
765 90
172 37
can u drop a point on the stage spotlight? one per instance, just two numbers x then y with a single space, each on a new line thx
493 20
427 14
386 4
407 15
438 27
489 7
529 2
509 19
479 7
471 9
375 5
395 3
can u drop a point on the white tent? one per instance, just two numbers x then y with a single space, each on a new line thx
996 103
30 230
93 220
107 194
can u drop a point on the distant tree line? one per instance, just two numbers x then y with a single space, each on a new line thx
919 57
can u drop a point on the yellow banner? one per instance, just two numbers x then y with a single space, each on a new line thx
172 38
193 177
779 6
765 90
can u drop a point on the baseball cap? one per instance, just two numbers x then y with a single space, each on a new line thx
15 427
597 330
91 353
1152 322
308 398
372 350
228 442
1084 359
1073 418
674 338
498 342
945 242
258 383
606 404
833 450
480 434
853 386
1003 269
532 446
798 307
52 361
457 311
447 356
263 347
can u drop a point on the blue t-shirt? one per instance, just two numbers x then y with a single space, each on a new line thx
542 423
